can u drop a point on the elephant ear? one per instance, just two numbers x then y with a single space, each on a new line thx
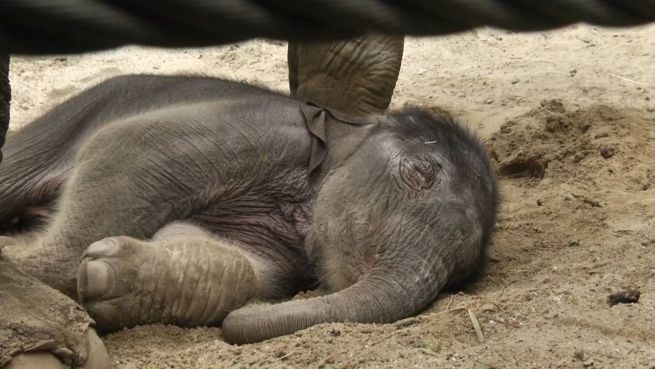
419 173
316 119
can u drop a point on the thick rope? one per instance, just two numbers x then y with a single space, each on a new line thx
71 26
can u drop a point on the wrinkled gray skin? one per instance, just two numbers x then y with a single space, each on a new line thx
356 76
186 198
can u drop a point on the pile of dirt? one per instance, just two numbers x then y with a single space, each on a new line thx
569 234
526 145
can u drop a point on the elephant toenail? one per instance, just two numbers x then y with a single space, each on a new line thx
106 247
97 280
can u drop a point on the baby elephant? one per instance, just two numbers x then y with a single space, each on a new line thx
182 199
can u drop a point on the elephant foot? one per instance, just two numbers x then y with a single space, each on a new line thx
124 282
53 266
97 357
42 328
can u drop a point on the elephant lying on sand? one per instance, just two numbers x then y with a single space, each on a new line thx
262 197
355 76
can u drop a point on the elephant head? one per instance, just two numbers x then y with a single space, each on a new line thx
405 207
355 76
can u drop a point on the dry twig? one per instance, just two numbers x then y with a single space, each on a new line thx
476 326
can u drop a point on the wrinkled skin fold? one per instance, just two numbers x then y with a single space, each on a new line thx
356 76
401 206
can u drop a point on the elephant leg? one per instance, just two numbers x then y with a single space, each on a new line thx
121 184
356 76
42 328
5 98
188 278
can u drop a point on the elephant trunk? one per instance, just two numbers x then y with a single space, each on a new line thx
382 296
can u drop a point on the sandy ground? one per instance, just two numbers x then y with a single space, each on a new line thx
576 105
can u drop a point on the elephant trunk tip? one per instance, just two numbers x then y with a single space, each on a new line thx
259 322
374 299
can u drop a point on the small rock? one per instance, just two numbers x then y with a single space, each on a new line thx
594 203
588 363
515 81
607 152
579 156
601 135
552 315
624 297
335 333
540 202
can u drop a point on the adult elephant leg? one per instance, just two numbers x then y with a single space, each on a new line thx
183 276
42 328
356 76
5 98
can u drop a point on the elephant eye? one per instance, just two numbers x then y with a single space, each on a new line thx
419 173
